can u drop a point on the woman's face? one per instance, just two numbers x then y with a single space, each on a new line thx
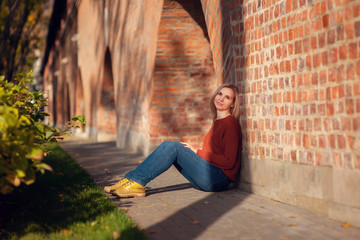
224 99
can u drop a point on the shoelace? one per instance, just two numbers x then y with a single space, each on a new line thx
128 183
120 183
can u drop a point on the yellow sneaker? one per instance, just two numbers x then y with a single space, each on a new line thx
130 189
111 188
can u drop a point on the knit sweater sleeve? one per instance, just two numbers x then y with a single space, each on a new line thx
221 145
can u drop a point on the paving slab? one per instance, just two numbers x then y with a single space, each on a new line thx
173 209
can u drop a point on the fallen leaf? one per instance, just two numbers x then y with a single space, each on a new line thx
125 209
116 234
292 225
346 225
292 217
65 232
93 223
207 203
251 210
195 222
138 162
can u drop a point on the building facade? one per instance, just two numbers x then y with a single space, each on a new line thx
143 71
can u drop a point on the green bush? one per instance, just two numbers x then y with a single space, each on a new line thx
24 139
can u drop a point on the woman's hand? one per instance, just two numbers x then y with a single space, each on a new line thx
189 146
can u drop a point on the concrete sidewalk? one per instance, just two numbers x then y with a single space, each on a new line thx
175 210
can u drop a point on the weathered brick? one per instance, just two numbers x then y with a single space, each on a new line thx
306 141
349 31
343 52
330 109
326 20
341 141
321 40
349 106
340 15
337 159
331 37
316 60
357 29
350 72
333 57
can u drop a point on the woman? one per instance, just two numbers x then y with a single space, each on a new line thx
211 168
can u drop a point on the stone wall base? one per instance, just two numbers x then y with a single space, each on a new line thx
133 141
328 191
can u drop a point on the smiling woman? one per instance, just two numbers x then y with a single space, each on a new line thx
211 168
225 101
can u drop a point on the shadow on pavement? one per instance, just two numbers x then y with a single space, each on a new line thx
173 206
196 219
177 187
103 161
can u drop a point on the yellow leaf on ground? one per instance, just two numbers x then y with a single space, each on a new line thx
65 232
346 225
292 225
116 235
251 210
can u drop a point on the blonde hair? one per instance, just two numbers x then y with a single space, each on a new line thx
235 110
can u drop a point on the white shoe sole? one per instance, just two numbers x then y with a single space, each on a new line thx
128 195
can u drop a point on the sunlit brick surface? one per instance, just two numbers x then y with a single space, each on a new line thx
184 75
297 65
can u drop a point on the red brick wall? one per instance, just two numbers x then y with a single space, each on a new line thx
106 112
184 75
297 64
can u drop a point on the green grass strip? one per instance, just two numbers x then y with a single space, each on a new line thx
64 204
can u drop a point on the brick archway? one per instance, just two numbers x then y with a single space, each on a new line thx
184 75
106 114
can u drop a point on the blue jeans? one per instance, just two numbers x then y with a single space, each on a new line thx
200 173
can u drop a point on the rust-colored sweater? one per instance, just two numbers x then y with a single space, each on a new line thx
222 146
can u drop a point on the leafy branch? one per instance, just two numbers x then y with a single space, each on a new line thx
24 139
